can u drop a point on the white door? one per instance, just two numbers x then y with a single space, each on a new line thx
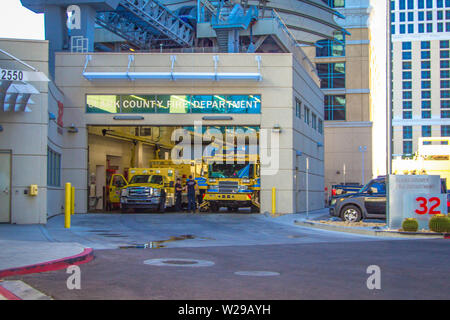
5 186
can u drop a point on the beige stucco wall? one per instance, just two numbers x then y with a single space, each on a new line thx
280 76
25 135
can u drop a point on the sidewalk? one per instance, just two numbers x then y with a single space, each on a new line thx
28 249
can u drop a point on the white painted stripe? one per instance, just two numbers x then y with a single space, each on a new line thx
24 291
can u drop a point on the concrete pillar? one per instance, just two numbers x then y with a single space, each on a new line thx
55 32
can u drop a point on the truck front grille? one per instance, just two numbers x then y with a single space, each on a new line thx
228 186
139 192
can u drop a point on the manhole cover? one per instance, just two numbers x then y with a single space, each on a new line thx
176 262
257 273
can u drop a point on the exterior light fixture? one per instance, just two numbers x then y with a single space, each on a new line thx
276 128
72 128
51 116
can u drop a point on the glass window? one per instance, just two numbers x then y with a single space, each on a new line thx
445 114
445 64
445 54
421 4
445 131
406 55
407 115
426 64
407 147
426 131
421 28
53 168
307 115
406 45
402 29
320 126
407 132
429 4
298 108
426 114
407 65
421 16
407 94
426 104
407 75
335 107
332 75
313 120
426 74
330 48
426 94
425 54
426 84
445 84
440 27
444 44
445 94
445 74
407 104
429 15
425 44
407 85
445 104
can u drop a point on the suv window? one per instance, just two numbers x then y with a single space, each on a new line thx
377 187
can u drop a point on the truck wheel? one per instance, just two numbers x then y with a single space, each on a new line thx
214 207
351 214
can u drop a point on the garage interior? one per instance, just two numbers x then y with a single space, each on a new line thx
113 150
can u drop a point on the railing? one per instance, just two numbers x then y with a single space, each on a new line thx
294 46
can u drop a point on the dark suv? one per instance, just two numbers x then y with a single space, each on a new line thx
368 203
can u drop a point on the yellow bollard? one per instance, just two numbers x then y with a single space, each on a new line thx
67 205
274 201
72 201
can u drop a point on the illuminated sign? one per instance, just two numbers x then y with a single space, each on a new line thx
173 104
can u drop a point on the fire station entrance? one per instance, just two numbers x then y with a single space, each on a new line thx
135 169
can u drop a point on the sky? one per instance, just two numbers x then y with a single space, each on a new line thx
18 22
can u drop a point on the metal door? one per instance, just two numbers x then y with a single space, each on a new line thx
5 186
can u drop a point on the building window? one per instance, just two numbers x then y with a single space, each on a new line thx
298 108
445 74
426 104
426 64
444 44
320 125
426 131
407 75
335 3
53 168
407 85
425 44
313 120
445 64
407 104
406 45
334 107
445 114
426 84
426 114
445 94
307 115
407 132
407 94
445 104
425 54
332 75
330 48
445 131
407 115
426 74
445 84
445 54
406 55
407 65
426 94
407 147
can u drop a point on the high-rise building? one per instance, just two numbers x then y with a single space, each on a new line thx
420 31
343 67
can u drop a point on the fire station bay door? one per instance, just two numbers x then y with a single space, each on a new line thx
5 186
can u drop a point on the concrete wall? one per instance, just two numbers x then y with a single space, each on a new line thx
25 135
276 90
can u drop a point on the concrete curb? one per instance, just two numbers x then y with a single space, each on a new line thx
86 256
375 233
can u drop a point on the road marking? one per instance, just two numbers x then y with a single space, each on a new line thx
23 291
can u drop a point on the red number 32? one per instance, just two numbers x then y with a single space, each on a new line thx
423 205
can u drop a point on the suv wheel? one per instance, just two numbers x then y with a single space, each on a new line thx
351 214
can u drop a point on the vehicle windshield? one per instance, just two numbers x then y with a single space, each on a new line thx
146 178
230 170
